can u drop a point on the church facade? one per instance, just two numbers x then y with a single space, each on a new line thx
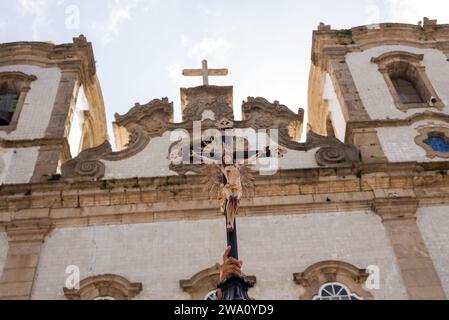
357 211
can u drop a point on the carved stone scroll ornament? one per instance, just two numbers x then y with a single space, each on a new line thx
259 113
88 164
154 118
332 152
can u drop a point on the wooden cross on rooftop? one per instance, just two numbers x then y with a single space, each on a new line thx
205 72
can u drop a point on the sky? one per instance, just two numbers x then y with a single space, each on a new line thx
141 46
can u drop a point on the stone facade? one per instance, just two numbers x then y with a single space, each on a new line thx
140 253
367 189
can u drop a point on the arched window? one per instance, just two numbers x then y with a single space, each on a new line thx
407 80
407 91
8 104
211 296
14 87
333 280
335 291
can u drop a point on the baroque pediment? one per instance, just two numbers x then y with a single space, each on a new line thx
212 108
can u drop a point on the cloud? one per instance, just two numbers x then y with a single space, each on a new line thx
37 9
209 47
412 11
119 12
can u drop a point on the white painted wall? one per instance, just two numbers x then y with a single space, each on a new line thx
273 248
3 251
434 225
17 165
399 145
36 112
77 123
373 89
335 109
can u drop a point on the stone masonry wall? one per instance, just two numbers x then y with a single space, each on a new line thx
273 248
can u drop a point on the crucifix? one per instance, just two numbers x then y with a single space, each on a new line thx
226 177
205 72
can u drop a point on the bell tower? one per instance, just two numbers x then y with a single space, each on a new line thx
383 88
51 108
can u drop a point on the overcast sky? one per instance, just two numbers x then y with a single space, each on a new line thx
141 46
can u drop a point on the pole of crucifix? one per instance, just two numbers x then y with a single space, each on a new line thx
234 174
228 188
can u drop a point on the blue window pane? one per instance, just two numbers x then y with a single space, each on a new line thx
326 294
438 143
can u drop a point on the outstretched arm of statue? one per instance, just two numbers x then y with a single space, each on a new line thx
206 160
254 157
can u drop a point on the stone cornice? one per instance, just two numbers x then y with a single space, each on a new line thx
396 208
386 123
4 143
87 203
335 44
77 56
29 230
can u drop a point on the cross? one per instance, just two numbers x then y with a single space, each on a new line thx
205 72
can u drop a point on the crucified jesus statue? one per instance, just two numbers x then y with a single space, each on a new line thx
230 188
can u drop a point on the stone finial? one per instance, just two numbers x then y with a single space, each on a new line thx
81 39
428 23
324 27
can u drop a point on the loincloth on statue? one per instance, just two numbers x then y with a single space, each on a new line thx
234 187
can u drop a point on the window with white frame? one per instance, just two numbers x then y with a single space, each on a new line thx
335 291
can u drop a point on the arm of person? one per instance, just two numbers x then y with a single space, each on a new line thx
230 267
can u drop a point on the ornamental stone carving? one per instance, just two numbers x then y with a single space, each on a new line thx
259 113
134 130
195 101
332 271
153 117
105 286
88 163
426 133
